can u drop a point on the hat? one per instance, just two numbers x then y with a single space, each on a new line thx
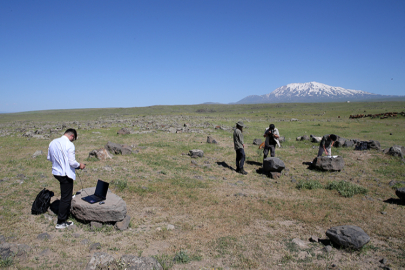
240 123
271 126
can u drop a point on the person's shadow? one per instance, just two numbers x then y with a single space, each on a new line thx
225 165
55 206
395 201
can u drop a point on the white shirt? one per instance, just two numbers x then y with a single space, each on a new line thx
275 132
61 153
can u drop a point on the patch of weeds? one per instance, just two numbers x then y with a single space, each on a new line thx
6 262
367 248
181 257
165 261
309 184
291 246
91 159
286 258
223 244
346 189
398 185
247 263
120 184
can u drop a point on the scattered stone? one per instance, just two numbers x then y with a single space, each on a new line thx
170 227
325 163
118 149
94 225
140 263
37 153
349 143
123 131
348 236
274 175
273 164
294 119
101 154
211 140
114 209
240 194
85 242
305 138
124 224
383 261
400 192
301 244
314 239
315 139
196 153
100 259
95 246
298 138
339 142
372 144
45 252
327 249
396 151
257 141
44 236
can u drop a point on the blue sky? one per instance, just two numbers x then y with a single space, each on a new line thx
96 54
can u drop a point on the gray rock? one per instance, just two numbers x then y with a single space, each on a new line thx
348 236
95 246
281 139
301 244
328 164
314 239
400 192
349 143
339 142
123 131
99 259
124 224
316 139
118 149
294 119
37 153
298 138
211 140
114 209
257 141
327 249
101 154
94 225
372 144
305 138
396 151
273 164
140 263
44 236
196 153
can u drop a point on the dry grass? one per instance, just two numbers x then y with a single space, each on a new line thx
222 219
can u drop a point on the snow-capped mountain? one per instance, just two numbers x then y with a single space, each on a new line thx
310 92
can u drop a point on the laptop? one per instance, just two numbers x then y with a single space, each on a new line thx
100 194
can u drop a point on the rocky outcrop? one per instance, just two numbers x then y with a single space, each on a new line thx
101 154
118 149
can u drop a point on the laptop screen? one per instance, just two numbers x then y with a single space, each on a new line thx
101 189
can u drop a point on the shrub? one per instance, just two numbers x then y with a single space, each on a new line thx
346 189
309 184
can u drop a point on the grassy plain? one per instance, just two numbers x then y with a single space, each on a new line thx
222 220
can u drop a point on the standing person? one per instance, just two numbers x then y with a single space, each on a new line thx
326 144
271 134
61 153
239 147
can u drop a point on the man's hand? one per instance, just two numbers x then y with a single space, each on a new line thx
82 166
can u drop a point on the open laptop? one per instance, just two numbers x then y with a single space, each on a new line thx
100 194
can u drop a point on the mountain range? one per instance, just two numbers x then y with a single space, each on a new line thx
311 92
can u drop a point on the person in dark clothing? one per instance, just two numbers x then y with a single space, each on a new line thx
239 147
326 144
271 134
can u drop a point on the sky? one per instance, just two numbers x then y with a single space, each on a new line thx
103 54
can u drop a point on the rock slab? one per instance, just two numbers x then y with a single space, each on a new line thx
140 263
328 164
348 236
273 164
400 192
113 210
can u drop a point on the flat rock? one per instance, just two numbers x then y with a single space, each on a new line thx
101 154
140 263
99 259
124 224
113 210
273 164
196 153
257 141
328 163
348 236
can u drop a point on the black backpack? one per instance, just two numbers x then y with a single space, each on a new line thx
42 202
361 146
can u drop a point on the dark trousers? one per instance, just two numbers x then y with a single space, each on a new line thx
66 190
272 148
240 158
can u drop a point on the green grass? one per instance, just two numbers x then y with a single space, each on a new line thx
309 184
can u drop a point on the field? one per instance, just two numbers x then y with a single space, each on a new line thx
221 219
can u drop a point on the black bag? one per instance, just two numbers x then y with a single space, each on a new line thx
42 202
361 146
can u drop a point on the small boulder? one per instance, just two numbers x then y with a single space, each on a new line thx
101 260
140 263
101 154
124 224
123 131
305 138
210 139
348 236
396 151
37 153
348 143
372 144
196 153
316 139
298 138
273 164
118 149
257 141
328 163
339 142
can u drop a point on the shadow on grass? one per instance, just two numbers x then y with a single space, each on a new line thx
395 201
225 165
250 162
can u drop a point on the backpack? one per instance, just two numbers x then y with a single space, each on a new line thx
42 202
361 146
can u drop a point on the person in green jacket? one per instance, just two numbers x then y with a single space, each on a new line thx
239 147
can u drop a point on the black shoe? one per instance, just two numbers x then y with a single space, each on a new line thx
237 170
242 171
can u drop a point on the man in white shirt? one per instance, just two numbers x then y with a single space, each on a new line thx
61 153
271 134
